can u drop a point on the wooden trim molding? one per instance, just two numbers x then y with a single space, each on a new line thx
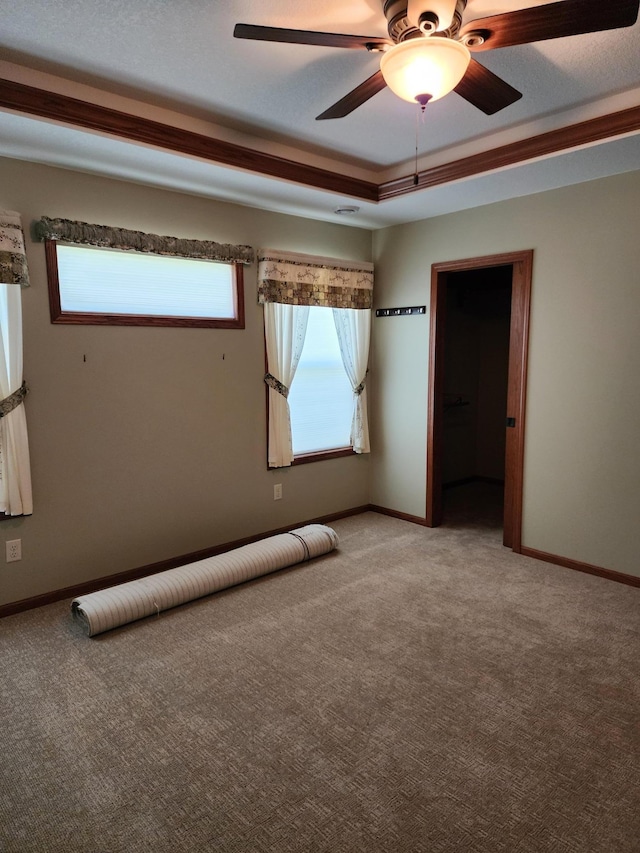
403 516
437 314
163 565
53 280
52 597
522 273
321 455
501 259
173 562
551 142
521 264
577 566
565 562
51 105
57 107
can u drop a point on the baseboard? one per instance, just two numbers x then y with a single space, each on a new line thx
403 516
576 565
162 566
173 562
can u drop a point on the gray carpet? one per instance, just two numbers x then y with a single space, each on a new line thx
418 690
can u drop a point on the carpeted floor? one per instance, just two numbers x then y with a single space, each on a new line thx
417 690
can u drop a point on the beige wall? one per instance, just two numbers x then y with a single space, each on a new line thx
155 446
582 464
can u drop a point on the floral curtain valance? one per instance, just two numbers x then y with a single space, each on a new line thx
295 279
13 260
68 231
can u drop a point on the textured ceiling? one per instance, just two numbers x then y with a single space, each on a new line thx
182 56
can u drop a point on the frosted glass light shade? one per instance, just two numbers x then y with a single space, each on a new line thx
424 66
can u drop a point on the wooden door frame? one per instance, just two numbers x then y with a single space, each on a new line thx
522 267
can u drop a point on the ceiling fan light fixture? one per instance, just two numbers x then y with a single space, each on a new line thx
424 66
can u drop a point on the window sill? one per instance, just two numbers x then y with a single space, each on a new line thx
305 458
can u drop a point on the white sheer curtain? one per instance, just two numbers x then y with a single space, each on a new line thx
15 473
285 327
353 327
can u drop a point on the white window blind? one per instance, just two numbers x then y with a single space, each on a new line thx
321 398
108 281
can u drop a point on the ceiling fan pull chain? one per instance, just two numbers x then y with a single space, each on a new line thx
419 109
420 113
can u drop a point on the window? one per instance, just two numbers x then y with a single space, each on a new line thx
317 326
321 397
99 286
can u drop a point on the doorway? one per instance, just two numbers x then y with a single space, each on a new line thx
478 340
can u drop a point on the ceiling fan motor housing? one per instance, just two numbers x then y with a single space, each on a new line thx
431 16
409 19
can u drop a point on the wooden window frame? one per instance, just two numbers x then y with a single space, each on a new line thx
77 318
321 455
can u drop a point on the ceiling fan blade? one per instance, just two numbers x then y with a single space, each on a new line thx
355 98
485 90
555 20
251 31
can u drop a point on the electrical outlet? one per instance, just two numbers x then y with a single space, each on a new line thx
13 550
277 492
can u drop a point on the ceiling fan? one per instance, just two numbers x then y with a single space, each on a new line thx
428 54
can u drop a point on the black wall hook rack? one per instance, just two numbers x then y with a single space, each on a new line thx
401 312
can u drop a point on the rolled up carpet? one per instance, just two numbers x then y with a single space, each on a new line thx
108 608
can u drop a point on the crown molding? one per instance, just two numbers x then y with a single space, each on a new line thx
62 108
572 136
58 107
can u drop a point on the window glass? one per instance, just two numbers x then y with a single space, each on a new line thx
321 398
107 281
